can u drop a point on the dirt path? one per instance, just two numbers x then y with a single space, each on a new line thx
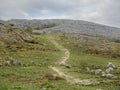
68 78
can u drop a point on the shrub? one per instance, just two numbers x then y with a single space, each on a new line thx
50 76
28 29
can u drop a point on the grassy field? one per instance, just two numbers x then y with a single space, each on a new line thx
31 77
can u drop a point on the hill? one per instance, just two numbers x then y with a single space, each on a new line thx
70 26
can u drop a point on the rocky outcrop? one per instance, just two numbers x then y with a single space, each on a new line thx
12 37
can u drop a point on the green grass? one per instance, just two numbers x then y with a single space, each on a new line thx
32 77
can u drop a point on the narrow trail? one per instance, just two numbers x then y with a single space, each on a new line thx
68 78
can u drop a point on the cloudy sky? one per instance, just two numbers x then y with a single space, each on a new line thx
100 11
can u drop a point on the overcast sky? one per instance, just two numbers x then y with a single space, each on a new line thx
100 11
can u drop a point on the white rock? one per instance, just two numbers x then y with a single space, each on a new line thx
98 71
108 75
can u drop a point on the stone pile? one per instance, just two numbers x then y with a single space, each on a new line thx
16 63
12 63
106 73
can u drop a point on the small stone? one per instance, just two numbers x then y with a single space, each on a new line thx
44 88
7 63
110 67
1 65
87 69
65 64
99 89
98 71
14 63
21 63
108 75
32 63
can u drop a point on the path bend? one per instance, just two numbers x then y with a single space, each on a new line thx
68 78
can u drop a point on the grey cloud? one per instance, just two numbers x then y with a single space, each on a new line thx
111 13
100 11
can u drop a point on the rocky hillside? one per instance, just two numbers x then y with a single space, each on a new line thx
12 38
70 26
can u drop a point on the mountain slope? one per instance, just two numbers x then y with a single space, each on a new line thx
71 26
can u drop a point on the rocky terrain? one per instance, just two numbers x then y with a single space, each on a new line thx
13 38
70 26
